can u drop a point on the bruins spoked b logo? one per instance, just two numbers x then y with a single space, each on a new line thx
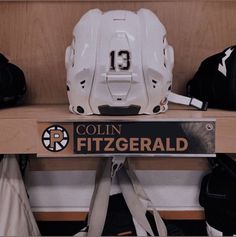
55 138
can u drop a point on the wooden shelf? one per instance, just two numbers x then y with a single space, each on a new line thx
81 216
147 163
60 113
18 125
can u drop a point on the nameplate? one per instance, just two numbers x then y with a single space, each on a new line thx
130 138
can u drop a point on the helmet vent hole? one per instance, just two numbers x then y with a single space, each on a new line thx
156 109
80 109
73 62
82 83
119 99
169 89
154 83
68 88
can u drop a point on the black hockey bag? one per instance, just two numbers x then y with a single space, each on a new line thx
218 195
215 80
12 83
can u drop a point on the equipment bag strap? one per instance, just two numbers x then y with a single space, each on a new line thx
100 199
129 187
106 170
184 100
139 190
135 206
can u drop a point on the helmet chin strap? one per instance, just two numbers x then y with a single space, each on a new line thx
184 100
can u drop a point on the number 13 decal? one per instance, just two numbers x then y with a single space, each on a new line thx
123 57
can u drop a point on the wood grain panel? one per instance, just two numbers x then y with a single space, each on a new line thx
24 120
34 34
226 135
55 164
60 216
182 215
17 137
60 113
81 216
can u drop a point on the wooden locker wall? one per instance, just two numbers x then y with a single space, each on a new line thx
34 35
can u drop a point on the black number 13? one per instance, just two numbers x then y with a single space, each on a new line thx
125 56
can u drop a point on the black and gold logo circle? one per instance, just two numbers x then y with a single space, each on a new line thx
55 138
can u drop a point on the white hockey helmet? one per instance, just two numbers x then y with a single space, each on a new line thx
119 63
